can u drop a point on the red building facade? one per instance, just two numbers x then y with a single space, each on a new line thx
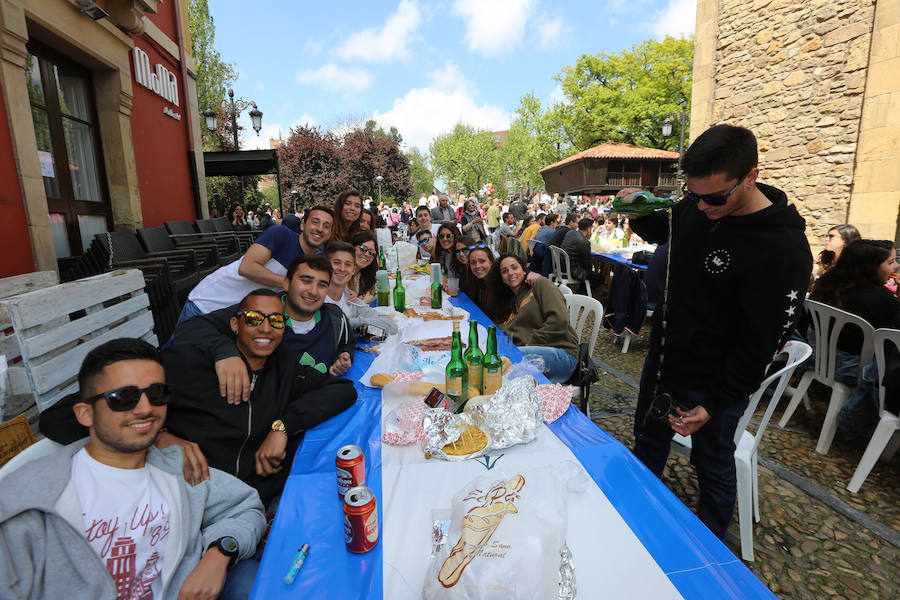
98 127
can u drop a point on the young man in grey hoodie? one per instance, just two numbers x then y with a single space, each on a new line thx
111 516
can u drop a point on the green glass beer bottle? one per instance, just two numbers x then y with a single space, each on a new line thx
457 373
473 356
399 294
492 373
437 296
640 204
382 261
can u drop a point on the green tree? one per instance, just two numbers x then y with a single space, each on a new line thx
625 96
214 75
420 175
467 156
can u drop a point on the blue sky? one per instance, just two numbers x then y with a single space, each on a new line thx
422 66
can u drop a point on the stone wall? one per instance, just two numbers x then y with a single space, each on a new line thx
794 73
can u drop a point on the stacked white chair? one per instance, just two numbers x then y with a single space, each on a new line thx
745 455
888 424
828 322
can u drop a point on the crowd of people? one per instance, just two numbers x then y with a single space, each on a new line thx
199 437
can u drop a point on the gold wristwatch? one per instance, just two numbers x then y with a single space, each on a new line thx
278 425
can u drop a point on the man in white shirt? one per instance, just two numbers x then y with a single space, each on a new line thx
111 516
423 200
423 218
432 200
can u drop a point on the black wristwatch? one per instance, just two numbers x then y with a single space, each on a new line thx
228 546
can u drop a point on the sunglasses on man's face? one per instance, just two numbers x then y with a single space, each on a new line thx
127 397
254 318
712 199
424 240
365 250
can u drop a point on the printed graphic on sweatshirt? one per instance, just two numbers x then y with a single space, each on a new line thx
718 261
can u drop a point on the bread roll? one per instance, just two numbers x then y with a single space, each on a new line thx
380 380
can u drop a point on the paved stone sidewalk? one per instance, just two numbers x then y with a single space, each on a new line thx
804 547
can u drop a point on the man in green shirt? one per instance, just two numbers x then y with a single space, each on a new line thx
493 215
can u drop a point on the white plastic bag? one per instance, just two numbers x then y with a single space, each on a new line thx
507 532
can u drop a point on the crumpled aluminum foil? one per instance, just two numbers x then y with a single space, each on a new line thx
439 530
443 427
511 416
567 588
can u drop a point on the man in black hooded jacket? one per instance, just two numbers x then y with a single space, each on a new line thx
740 264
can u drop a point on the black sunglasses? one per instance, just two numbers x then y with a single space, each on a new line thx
713 199
254 318
127 397
462 252
365 250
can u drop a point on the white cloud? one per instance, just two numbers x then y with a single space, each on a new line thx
551 31
261 86
495 27
312 47
388 43
348 79
678 18
251 141
556 96
426 112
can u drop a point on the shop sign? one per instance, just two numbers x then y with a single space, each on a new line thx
160 80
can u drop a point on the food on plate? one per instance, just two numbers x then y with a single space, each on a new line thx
380 380
441 344
478 525
470 441
431 315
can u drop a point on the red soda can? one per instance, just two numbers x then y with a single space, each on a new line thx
351 469
360 520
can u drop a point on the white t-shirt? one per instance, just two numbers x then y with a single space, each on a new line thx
126 522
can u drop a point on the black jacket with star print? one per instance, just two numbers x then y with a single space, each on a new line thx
736 287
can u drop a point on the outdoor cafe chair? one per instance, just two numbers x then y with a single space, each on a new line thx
562 276
580 308
828 322
183 234
746 455
156 239
888 425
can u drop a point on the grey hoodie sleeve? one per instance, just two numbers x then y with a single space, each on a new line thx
232 508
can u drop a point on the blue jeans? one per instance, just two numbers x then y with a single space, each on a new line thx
558 364
860 413
712 452
239 581
189 310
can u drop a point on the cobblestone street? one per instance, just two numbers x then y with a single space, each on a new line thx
816 539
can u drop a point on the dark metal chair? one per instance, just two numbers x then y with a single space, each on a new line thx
156 239
184 234
123 247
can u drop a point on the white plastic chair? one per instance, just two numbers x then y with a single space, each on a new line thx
888 425
828 322
580 307
566 290
563 276
36 450
745 455
530 244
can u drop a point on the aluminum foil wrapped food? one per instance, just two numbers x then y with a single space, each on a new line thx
452 437
567 589
511 416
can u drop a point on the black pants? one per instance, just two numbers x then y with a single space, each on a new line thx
712 448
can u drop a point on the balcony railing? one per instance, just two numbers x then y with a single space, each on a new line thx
623 179
668 179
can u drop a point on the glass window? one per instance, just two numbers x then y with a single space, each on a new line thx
45 152
82 161
90 225
60 235
73 94
33 79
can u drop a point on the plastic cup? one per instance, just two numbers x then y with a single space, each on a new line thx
452 285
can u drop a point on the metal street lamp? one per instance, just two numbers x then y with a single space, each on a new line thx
667 132
378 180
233 110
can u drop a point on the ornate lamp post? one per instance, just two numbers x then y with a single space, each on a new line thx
667 132
233 110
378 180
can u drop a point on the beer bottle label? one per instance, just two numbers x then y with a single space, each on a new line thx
454 386
475 375
492 380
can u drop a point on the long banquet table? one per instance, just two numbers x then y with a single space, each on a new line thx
696 563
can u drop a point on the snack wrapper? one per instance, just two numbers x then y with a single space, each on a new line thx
555 400
511 416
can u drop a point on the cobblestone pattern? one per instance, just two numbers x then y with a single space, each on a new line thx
803 548
795 74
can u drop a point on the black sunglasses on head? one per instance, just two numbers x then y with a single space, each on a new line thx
470 248
712 199
127 397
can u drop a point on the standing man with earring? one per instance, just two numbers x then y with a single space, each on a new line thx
738 271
